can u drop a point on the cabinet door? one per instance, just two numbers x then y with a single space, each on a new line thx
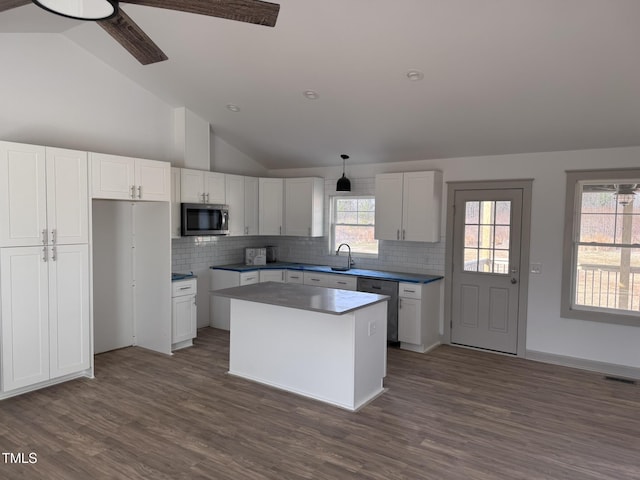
191 186
214 188
298 206
25 322
272 276
409 316
67 196
270 206
23 195
421 206
184 316
112 177
388 206
250 206
234 185
70 350
175 203
153 180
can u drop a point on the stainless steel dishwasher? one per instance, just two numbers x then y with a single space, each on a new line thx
384 287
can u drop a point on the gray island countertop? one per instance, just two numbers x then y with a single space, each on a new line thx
303 297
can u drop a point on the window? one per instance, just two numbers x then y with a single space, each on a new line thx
352 222
601 277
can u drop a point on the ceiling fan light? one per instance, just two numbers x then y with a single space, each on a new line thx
80 9
344 184
625 194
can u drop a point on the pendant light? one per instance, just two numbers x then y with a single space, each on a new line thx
344 184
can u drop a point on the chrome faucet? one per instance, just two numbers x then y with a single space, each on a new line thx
349 260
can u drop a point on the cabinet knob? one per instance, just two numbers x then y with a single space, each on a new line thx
44 237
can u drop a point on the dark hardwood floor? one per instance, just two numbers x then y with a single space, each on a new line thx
451 414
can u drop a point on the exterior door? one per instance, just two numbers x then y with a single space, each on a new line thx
487 231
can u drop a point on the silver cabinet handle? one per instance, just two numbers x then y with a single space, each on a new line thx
282 276
201 195
53 254
133 191
44 254
315 279
139 191
280 230
54 234
44 237
403 232
409 291
398 235
342 283
207 198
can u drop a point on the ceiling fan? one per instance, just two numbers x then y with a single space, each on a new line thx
126 32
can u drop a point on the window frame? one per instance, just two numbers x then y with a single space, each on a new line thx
332 224
571 226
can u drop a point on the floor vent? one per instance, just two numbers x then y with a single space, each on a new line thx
620 379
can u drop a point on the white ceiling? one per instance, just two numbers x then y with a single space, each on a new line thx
500 76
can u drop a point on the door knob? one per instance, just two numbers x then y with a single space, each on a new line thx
513 280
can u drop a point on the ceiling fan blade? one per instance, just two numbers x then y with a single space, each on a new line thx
249 11
131 37
9 4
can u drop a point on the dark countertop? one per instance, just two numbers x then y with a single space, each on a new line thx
182 276
358 272
303 297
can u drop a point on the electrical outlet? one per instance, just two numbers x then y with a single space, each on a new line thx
372 328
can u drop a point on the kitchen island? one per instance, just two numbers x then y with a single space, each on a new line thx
323 343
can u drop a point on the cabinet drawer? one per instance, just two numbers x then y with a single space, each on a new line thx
184 287
317 279
247 278
410 290
343 282
294 277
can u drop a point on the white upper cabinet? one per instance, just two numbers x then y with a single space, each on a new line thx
175 203
303 210
199 186
270 206
125 178
67 196
251 205
408 206
43 195
234 185
153 180
242 198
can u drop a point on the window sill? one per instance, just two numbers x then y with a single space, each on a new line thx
601 316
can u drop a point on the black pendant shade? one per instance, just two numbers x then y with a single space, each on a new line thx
344 184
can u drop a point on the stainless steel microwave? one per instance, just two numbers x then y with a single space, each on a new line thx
204 219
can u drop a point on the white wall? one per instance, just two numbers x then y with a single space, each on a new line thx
55 93
225 158
546 330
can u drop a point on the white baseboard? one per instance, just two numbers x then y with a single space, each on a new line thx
613 369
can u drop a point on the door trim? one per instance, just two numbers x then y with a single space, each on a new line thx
522 184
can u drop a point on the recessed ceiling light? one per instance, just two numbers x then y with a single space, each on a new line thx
232 107
415 75
311 94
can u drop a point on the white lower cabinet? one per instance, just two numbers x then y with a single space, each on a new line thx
418 314
45 313
219 312
269 275
184 313
294 276
330 280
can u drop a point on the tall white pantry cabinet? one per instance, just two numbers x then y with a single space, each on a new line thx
44 266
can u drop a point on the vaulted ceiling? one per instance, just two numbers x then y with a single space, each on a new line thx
500 76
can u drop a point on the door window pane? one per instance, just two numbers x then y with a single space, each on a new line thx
487 235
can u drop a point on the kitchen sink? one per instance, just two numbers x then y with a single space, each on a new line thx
340 269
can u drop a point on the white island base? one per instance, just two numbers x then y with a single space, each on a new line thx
338 359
